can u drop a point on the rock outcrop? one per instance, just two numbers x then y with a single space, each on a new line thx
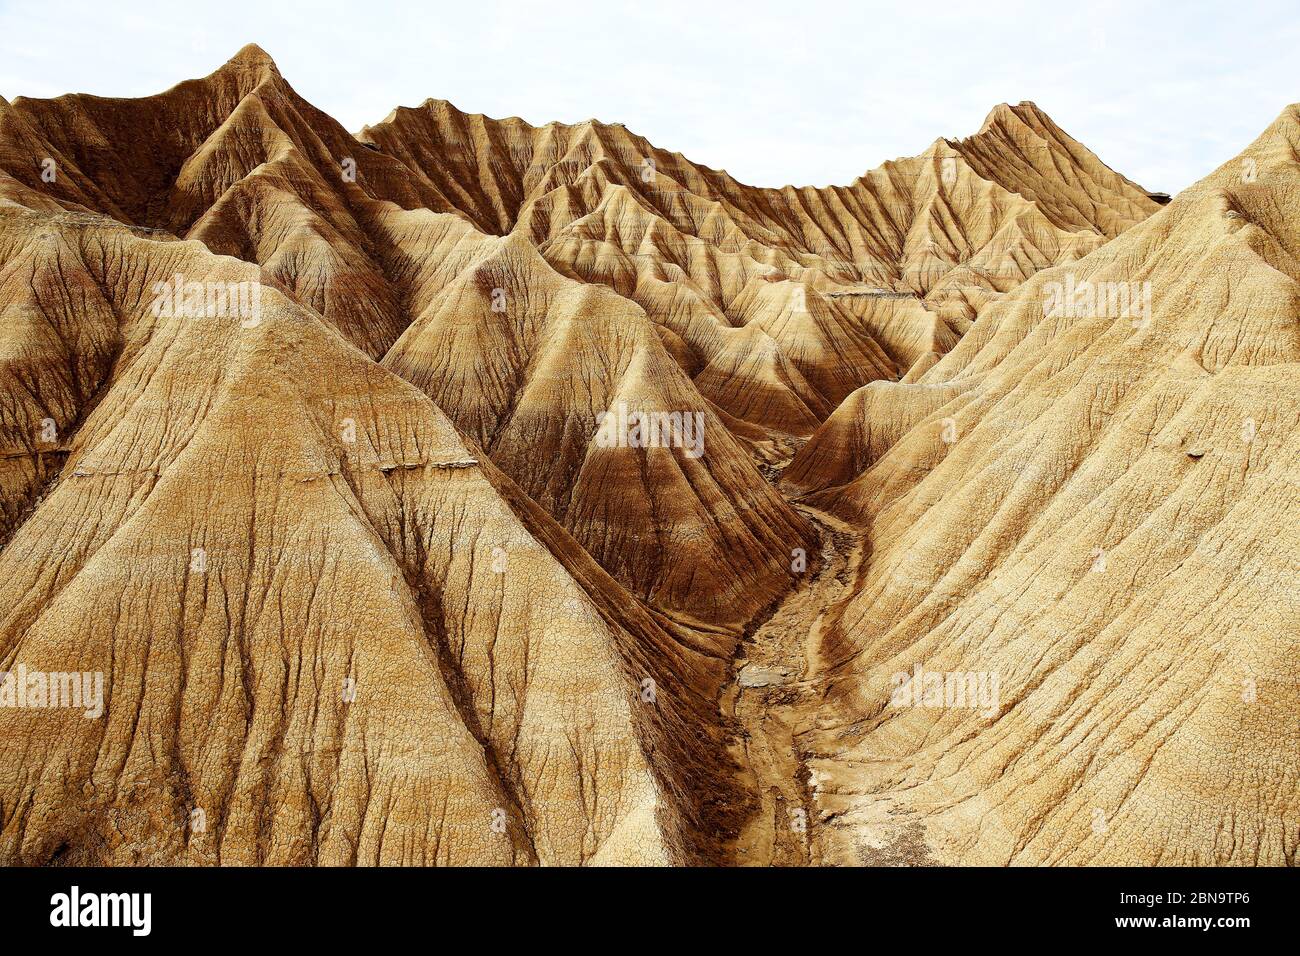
465 491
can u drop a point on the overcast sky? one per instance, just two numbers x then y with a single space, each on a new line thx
804 92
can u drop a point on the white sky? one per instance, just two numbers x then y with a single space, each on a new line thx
805 91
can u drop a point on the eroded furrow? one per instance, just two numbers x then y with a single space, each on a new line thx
774 694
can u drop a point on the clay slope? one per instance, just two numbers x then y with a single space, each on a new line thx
904 256
683 519
757 295
1091 511
444 551
255 172
239 161
330 631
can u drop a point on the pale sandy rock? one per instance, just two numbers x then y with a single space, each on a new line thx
369 583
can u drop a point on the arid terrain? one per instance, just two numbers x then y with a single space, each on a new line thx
462 491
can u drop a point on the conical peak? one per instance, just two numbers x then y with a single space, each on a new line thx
253 57
1022 111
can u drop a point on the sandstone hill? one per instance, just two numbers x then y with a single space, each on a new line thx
1099 505
373 573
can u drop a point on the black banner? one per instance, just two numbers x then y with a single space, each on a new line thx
220 906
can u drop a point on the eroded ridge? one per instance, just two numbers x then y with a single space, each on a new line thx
464 491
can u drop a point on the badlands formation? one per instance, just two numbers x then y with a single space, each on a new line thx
461 491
